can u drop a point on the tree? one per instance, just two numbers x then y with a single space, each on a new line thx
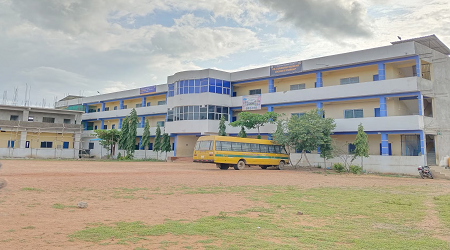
361 145
222 127
242 133
130 146
124 133
254 120
307 133
146 137
165 146
108 139
281 137
157 142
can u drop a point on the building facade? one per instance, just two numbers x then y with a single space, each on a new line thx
400 93
39 132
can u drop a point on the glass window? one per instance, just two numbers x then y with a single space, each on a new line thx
349 80
226 146
254 147
161 102
67 121
218 146
115 107
46 144
196 116
254 91
160 123
138 105
353 113
297 86
30 118
272 149
191 109
358 113
236 146
246 147
264 148
277 149
48 119
205 145
297 114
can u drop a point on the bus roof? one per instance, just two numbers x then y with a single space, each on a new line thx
235 139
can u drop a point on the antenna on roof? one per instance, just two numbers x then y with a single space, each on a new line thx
399 38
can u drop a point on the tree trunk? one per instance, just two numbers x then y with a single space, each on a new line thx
258 132
166 156
309 164
145 153
362 163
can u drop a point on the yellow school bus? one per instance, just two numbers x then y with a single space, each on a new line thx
227 151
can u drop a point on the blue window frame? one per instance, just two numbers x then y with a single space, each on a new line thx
377 112
150 147
65 145
95 127
115 107
10 144
351 148
113 126
234 94
233 119
375 78
353 113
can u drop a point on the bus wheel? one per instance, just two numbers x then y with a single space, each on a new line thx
263 167
281 165
224 166
240 165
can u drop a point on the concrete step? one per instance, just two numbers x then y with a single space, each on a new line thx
440 172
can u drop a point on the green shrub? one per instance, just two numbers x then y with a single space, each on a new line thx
355 169
119 156
339 167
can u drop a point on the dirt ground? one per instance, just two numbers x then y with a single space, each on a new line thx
28 220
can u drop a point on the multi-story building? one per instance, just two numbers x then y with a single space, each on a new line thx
39 132
400 93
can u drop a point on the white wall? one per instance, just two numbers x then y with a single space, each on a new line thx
157 109
39 153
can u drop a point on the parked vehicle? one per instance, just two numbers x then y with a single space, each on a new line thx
425 172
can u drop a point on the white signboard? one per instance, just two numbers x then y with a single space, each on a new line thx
251 102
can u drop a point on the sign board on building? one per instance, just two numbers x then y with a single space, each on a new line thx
285 69
146 90
251 102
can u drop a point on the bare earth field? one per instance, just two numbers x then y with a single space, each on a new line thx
184 205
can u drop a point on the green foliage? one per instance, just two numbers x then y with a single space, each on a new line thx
355 169
146 136
339 167
132 133
165 146
108 138
222 127
157 142
242 133
124 133
442 204
254 120
258 137
361 144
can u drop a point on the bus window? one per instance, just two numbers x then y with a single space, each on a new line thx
236 146
264 148
254 147
197 145
226 146
246 147
205 145
218 146
272 149
277 149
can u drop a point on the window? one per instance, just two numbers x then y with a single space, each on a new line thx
67 121
195 86
161 102
98 110
95 128
254 92
105 126
48 119
14 118
115 107
376 78
246 147
160 123
264 148
349 80
106 108
113 126
254 147
353 113
30 118
27 144
148 104
224 146
46 144
91 145
138 105
351 148
203 112
298 86
65 145
410 145
297 114
236 146
377 112
125 106
10 144
204 145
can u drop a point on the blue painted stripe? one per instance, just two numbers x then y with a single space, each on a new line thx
329 69
379 132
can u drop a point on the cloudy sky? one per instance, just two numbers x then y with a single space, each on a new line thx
84 46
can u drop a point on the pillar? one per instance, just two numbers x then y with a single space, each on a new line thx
103 106
121 104
383 107
419 74
77 142
102 124
422 142
420 101
319 81
142 121
175 146
381 72
144 101
230 114
319 105
85 125
23 139
271 86
384 144
120 123
86 108
25 115
270 109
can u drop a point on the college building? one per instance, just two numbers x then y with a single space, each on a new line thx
399 93
30 132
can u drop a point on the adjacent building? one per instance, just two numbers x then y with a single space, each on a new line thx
400 93
39 132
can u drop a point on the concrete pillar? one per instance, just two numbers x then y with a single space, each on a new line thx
422 142
418 67
271 86
25 115
319 105
175 146
319 81
102 124
420 101
142 121
23 139
86 108
103 106
77 141
120 123
383 107
384 144
230 114
121 104
381 72
144 101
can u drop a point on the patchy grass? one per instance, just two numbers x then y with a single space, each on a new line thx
61 206
32 189
333 218
29 227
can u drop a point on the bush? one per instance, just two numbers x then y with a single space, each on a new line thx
119 156
339 167
355 169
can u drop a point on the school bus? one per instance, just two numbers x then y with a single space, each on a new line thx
227 151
